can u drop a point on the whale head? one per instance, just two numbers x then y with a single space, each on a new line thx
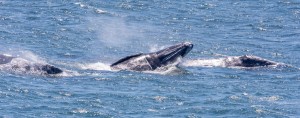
151 61
170 54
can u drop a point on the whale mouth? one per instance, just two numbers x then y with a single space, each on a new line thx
171 54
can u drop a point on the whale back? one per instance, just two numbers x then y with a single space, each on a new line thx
253 61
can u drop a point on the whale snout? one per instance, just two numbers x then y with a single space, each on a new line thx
188 47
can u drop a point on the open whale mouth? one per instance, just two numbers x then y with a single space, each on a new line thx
171 54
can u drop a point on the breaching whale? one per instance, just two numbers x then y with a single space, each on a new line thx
152 61
22 65
245 61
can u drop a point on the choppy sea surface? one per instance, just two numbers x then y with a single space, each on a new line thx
84 36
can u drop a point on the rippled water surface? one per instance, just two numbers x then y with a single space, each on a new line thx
84 36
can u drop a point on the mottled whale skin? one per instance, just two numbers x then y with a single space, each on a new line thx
22 65
152 61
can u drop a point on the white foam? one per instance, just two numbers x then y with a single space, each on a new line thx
97 10
205 63
81 111
95 66
67 73
270 98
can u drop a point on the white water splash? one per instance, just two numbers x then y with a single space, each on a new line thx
24 54
32 57
80 111
95 66
97 10
205 62
67 73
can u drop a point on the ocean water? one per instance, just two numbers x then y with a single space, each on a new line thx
84 36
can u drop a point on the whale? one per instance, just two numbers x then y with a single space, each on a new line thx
17 64
244 61
248 61
154 60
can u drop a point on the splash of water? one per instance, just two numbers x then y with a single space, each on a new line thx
95 66
97 10
205 63
31 57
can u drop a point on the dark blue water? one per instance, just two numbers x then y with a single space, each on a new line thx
85 36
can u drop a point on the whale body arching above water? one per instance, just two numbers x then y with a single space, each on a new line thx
152 61
16 64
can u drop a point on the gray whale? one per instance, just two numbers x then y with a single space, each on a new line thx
246 61
17 64
152 61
